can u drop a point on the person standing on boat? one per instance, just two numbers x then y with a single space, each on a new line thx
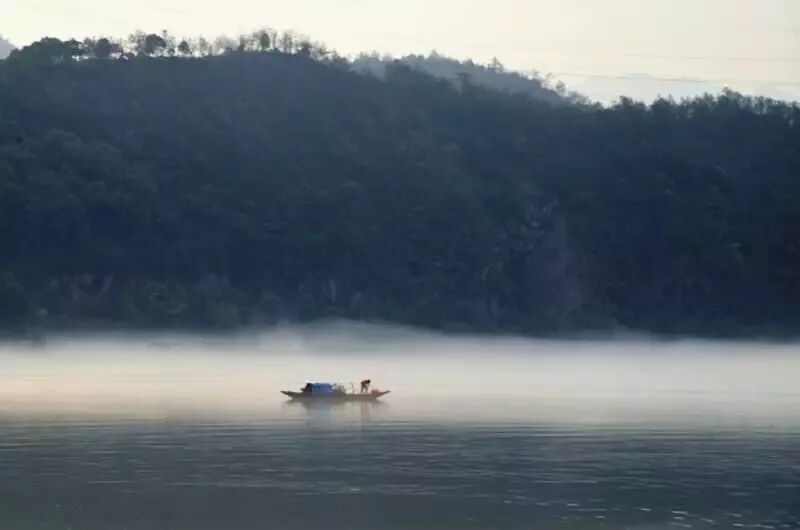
365 385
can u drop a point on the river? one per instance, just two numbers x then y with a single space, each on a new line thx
183 432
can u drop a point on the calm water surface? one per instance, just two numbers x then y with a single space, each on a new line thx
187 433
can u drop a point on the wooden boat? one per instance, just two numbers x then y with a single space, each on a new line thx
336 396
332 392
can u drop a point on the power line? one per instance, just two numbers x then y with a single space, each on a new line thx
170 10
516 44
678 57
72 13
645 77
627 77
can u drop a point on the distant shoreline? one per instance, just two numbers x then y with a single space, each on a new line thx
777 334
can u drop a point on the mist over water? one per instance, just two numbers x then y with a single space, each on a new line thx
474 377
187 431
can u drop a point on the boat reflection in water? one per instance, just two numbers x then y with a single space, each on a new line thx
329 411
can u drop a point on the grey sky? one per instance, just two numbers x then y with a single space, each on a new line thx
741 43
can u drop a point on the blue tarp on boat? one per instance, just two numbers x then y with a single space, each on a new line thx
321 388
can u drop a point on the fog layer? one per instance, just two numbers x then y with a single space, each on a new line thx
432 377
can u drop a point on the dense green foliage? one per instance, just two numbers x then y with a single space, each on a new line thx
493 75
252 184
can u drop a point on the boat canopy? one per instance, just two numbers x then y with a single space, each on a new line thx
319 388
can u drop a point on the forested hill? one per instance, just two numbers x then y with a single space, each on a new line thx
147 188
493 76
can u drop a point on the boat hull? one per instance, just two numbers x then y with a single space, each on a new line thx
300 396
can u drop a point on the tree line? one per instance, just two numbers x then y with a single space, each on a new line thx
163 44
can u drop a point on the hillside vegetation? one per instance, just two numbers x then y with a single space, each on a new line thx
156 183
493 75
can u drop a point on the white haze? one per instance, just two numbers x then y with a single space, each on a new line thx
432 377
